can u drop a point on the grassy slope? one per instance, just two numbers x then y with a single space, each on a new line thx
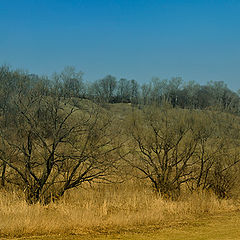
223 225
220 227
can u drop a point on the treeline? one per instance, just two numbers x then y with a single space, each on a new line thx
55 135
70 83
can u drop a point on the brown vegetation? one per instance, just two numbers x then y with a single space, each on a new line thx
103 208
128 164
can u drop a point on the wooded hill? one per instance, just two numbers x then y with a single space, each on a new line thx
59 133
70 83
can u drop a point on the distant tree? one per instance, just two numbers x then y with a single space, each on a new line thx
188 96
146 93
123 90
205 98
174 89
158 91
134 92
104 89
73 85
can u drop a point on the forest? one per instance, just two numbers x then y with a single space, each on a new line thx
59 133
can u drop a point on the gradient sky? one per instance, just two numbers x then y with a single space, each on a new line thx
136 39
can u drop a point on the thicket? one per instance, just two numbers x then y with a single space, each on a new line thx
58 133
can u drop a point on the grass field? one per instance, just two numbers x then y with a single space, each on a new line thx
123 211
218 227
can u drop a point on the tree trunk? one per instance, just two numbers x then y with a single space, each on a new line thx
2 182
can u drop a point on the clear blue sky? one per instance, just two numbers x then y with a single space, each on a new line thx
136 39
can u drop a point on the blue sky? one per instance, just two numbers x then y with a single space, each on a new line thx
136 39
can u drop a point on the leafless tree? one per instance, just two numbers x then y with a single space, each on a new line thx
52 146
162 147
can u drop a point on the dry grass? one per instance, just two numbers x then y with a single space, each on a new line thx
101 208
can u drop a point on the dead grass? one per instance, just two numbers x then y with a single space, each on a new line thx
102 209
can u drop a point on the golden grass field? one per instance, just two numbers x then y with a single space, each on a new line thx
119 211
218 227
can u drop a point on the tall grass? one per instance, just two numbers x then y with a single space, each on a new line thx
101 208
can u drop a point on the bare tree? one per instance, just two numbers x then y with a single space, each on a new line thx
123 90
72 82
104 89
162 147
52 146
216 156
134 91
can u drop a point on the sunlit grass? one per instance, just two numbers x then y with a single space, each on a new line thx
103 209
223 226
